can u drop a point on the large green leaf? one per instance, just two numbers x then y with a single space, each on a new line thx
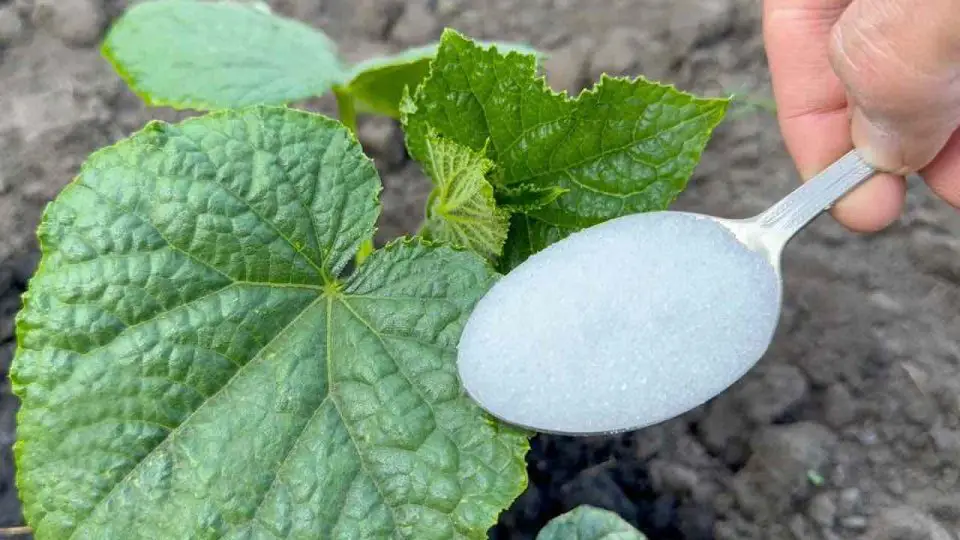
589 523
625 146
193 363
461 209
215 55
378 83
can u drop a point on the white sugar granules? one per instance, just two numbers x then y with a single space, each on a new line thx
622 325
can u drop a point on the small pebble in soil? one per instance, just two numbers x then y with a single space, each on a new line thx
896 486
947 443
11 27
854 523
76 22
822 510
416 26
849 501
839 408
620 325
777 390
673 477
777 473
800 528
906 523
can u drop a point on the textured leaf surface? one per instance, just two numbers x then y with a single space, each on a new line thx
215 55
192 364
378 84
623 147
589 523
461 210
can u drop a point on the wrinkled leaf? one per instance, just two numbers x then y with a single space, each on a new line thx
378 83
215 55
193 363
589 523
461 209
625 146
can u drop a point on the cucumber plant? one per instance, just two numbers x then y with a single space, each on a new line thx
201 352
216 55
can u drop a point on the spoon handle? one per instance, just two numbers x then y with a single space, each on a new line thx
784 219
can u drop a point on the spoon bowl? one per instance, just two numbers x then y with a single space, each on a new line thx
638 319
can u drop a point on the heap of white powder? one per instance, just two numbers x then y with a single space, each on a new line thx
622 325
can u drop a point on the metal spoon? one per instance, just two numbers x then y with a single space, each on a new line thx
500 386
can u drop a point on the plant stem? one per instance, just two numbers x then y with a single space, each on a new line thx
348 117
346 108
10 532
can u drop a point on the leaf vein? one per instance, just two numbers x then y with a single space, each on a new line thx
350 435
614 150
290 451
156 229
173 433
244 202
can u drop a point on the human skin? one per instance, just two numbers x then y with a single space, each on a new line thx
882 76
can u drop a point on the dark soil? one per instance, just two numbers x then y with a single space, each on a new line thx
848 428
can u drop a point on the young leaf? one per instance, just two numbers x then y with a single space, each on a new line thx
461 209
589 523
216 55
528 197
379 83
624 146
192 363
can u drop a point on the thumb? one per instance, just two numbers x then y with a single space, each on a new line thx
900 63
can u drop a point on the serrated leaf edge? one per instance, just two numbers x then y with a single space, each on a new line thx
408 103
151 126
449 33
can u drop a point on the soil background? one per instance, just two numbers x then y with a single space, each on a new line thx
848 428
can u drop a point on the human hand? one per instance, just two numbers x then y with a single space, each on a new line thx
879 75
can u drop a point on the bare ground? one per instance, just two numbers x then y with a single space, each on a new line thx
848 428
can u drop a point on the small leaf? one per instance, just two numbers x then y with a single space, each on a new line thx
528 197
589 523
215 55
193 363
378 83
461 210
625 146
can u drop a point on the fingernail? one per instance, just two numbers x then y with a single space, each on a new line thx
879 146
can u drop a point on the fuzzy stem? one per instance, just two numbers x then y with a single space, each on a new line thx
346 108
10 532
